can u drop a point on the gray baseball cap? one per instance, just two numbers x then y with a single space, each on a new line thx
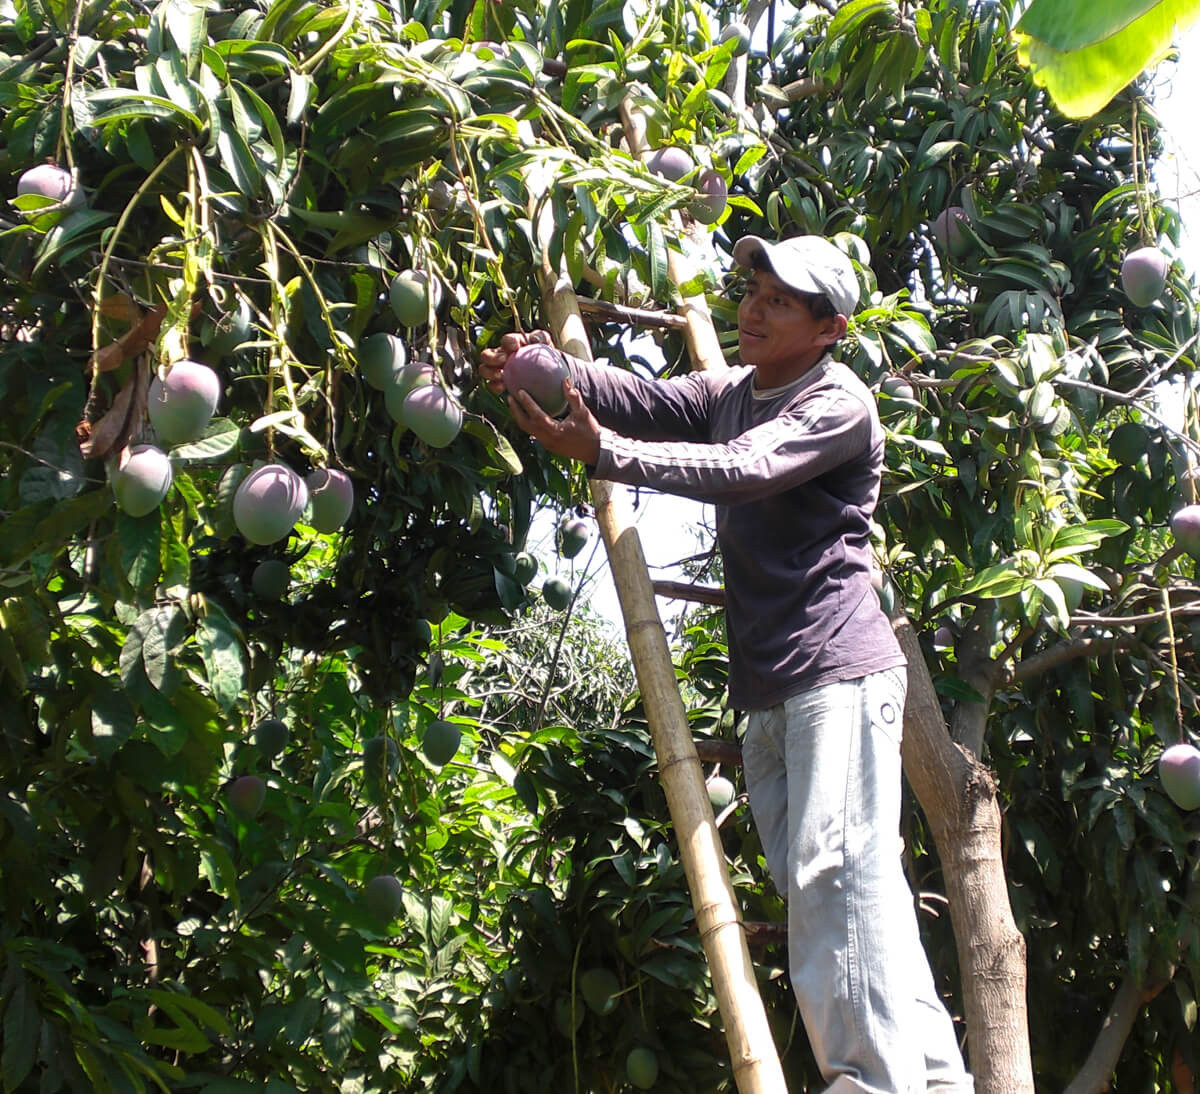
806 264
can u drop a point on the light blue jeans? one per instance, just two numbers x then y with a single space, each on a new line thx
823 774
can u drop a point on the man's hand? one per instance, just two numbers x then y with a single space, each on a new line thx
576 436
492 361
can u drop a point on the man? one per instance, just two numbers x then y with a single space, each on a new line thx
789 448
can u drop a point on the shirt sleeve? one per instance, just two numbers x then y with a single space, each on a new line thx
674 409
810 438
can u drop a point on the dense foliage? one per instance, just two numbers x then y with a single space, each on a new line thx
255 176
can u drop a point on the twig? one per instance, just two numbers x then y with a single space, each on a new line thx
620 313
1089 620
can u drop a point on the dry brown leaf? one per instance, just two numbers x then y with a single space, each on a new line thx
116 427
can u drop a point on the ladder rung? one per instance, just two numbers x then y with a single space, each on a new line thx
712 751
682 590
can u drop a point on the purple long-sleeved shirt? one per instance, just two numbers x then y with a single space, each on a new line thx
794 475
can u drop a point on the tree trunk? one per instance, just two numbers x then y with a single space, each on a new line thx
959 799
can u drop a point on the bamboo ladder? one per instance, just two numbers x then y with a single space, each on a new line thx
753 1056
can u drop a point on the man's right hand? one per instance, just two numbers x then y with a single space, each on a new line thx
492 361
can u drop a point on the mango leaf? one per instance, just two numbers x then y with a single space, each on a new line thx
995 581
239 161
337 1028
1075 539
300 96
1054 604
497 444
70 236
1085 51
185 22
151 643
219 440
857 12
221 652
134 104
140 539
113 720
22 1022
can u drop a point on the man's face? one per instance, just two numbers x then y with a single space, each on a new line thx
776 330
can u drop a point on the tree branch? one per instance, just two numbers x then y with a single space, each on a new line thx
620 313
968 722
1097 1070
1062 653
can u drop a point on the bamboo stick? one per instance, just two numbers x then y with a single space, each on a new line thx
755 1061
753 1056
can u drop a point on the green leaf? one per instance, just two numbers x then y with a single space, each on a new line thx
185 22
510 592
140 539
497 444
1054 604
1085 51
302 1020
219 440
656 246
159 631
995 581
75 232
221 652
937 152
133 104
302 89
267 119
857 12
239 161
952 687
337 1028
1077 538
278 16
174 1002
113 720
21 1025
218 869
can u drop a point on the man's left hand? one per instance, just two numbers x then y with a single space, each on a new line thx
576 436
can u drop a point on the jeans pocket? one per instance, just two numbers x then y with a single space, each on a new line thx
885 695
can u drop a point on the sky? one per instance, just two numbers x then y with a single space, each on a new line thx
1177 96
670 528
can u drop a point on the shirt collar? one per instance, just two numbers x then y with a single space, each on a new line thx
796 385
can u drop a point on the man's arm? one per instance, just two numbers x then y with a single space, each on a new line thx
675 409
817 436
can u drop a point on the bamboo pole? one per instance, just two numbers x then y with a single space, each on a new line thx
753 1056
755 1061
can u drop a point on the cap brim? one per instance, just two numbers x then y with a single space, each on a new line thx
746 248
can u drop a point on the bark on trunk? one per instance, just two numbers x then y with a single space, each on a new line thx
959 799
